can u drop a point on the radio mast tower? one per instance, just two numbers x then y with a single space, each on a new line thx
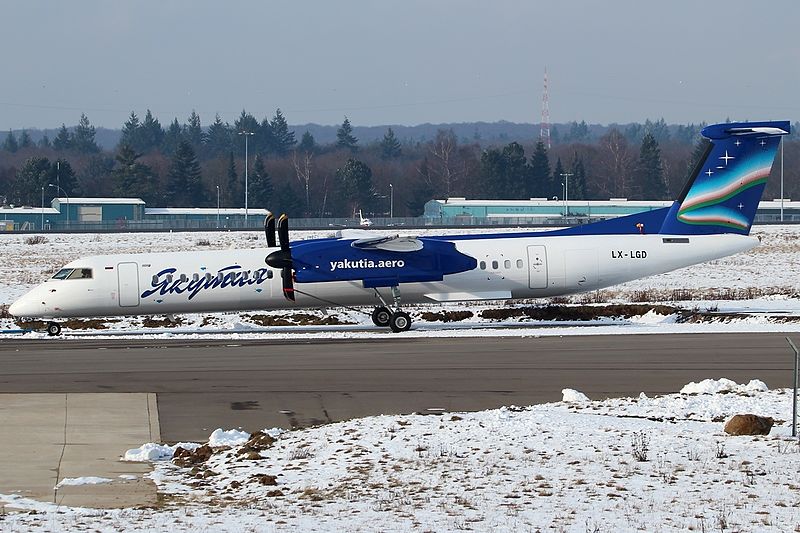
544 132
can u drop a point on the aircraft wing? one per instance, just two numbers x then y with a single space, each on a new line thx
389 243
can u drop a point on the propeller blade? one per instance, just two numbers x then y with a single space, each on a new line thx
283 232
288 284
269 229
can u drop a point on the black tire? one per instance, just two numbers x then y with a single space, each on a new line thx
400 322
53 329
381 317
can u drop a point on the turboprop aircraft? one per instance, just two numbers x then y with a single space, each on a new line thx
710 219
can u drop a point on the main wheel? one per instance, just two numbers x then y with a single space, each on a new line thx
400 321
53 329
381 317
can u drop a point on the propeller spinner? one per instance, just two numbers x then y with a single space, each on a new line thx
282 258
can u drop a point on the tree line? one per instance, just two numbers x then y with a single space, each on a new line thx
191 165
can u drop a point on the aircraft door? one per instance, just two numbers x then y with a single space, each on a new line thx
537 267
128 278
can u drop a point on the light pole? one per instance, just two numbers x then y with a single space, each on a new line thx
391 201
781 180
217 206
58 187
42 228
566 176
58 174
246 135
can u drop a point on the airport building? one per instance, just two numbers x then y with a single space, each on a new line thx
121 213
113 214
544 211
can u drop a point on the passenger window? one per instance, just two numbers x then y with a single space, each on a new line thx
495 265
195 277
483 265
269 274
246 275
184 279
63 273
519 263
507 264
220 276
81 273
155 279
169 278
208 276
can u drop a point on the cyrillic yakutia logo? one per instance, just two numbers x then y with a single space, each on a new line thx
366 263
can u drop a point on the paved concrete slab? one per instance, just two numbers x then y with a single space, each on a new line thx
49 437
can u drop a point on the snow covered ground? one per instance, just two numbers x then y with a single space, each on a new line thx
628 464
760 283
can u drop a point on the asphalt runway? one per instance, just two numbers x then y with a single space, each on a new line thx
205 384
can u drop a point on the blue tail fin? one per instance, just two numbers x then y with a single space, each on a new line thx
723 192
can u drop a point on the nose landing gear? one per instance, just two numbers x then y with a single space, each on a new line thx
383 316
53 329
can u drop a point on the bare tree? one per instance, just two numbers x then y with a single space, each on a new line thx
616 164
443 148
302 170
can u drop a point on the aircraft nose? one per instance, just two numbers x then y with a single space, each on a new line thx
26 307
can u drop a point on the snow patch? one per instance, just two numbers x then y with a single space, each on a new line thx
231 437
88 480
153 451
574 396
716 386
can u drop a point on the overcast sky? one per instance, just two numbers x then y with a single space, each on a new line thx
399 62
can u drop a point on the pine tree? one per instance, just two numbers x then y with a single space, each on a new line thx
697 155
651 173
132 133
62 174
63 140
25 140
246 122
193 132
152 133
577 183
355 186
172 138
10 144
558 178
234 188
31 177
260 191
344 137
541 182
44 142
307 143
289 201
184 181
83 137
283 139
390 146
131 178
219 138
492 175
263 141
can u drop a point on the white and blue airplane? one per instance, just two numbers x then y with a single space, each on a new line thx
710 219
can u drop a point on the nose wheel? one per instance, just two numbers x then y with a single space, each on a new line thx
396 320
53 329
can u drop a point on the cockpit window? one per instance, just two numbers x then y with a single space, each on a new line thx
63 273
81 273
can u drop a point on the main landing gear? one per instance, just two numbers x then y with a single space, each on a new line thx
383 316
53 329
